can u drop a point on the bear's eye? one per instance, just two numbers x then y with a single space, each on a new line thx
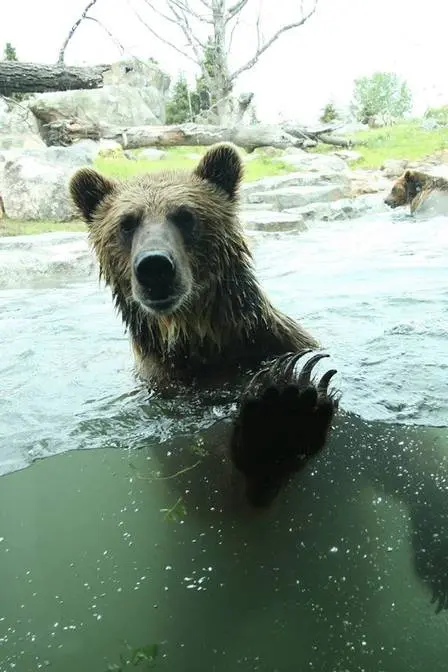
128 224
184 218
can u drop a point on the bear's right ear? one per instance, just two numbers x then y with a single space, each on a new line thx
87 189
408 176
221 165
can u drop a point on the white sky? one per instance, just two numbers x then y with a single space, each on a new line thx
294 78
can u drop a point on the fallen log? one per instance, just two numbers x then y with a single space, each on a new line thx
56 129
17 77
248 137
59 131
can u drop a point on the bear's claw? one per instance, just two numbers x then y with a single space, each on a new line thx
283 420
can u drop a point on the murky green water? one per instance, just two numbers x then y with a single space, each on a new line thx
100 550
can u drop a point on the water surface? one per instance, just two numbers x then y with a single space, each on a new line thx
97 550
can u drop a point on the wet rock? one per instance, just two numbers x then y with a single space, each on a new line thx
394 167
25 259
346 208
290 197
34 185
368 182
263 220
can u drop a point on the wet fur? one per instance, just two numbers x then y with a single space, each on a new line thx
223 326
413 188
228 322
227 331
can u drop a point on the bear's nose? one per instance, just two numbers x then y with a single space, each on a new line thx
155 272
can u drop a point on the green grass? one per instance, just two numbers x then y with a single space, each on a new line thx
185 158
404 141
177 158
16 227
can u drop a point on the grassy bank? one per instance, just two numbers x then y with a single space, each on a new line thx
404 141
178 158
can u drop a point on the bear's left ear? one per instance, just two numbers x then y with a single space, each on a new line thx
87 189
221 165
413 180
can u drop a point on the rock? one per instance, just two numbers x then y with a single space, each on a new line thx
129 154
300 179
18 127
28 141
26 259
134 94
272 221
346 208
17 119
394 167
110 149
151 154
367 182
268 152
309 161
290 197
429 124
34 185
347 155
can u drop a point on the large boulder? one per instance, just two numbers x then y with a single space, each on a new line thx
30 258
134 94
18 126
34 184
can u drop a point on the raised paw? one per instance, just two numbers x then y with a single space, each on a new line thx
283 420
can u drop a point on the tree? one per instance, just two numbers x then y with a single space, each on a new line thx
183 105
382 93
10 55
329 113
10 52
217 21
205 83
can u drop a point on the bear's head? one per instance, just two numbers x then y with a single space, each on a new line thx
166 240
405 189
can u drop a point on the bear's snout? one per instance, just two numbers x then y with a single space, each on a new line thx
390 202
155 272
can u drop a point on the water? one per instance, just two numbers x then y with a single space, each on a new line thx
97 552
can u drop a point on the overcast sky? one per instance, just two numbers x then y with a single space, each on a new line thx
294 78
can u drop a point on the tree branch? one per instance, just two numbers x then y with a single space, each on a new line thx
251 62
73 30
184 7
162 39
235 25
112 37
161 14
235 9
184 24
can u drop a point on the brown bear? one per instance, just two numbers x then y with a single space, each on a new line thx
413 188
172 249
